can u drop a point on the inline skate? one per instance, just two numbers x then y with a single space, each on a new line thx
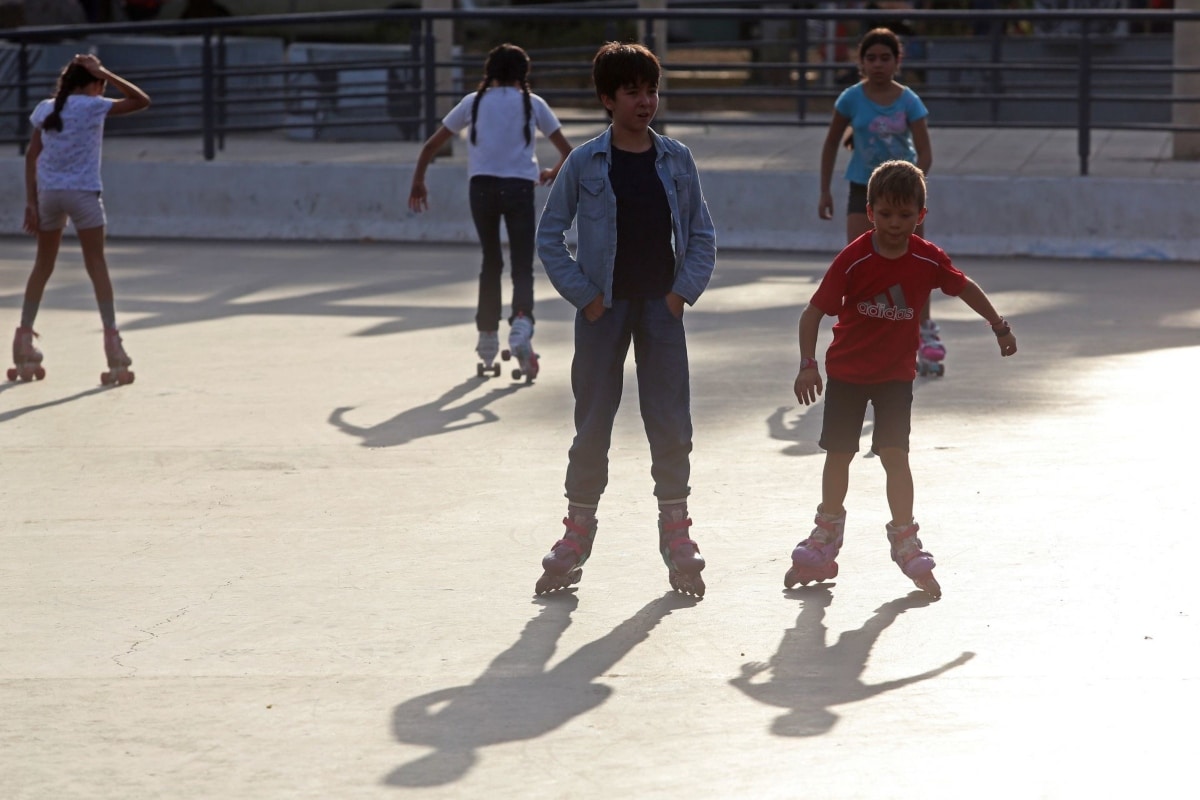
815 558
915 563
563 565
681 555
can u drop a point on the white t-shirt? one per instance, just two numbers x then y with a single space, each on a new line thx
500 149
70 158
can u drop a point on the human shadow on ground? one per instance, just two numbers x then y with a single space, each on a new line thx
517 698
433 418
12 414
804 432
809 677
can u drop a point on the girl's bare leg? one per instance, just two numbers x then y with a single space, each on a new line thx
48 243
856 226
92 243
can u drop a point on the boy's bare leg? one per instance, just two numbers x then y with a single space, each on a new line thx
835 482
899 484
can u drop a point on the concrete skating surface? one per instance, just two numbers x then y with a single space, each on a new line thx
296 558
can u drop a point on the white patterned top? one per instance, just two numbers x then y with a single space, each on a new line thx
70 158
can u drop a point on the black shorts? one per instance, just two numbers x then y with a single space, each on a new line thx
856 202
846 409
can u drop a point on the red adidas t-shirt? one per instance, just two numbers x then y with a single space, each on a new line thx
878 304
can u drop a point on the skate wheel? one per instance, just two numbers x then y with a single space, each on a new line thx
12 374
106 378
516 373
495 370
125 378
479 370
506 354
553 583
39 373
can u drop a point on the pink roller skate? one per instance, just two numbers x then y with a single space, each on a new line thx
520 347
914 562
486 349
563 565
118 373
931 352
814 559
27 359
681 555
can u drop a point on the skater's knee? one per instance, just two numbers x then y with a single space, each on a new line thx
838 459
893 458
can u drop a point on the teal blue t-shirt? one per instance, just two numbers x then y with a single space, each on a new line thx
881 133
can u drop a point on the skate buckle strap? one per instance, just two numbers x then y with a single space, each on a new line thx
579 532
823 533
575 527
678 524
906 546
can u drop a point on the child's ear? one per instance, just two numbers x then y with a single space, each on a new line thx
921 216
607 101
870 214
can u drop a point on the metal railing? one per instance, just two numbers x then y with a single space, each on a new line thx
1078 69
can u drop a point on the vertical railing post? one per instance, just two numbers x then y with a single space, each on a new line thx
995 82
1085 96
222 91
802 68
207 100
22 96
429 77
654 37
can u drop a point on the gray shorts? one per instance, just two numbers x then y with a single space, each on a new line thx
84 207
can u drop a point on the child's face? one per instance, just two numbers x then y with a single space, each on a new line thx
895 220
879 63
633 107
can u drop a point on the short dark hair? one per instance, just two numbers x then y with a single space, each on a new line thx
898 181
616 65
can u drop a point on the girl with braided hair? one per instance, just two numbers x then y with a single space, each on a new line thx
502 117
62 180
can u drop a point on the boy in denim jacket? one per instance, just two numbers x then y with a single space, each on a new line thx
646 247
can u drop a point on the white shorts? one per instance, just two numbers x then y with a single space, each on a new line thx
84 207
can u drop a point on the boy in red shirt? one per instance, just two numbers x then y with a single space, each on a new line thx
876 288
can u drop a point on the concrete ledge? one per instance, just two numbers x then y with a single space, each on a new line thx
1067 217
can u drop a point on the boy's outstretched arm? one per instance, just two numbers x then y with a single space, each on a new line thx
977 299
808 381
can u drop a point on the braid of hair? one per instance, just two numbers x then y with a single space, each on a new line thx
53 121
475 107
528 110
73 76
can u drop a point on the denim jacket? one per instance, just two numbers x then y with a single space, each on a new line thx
582 190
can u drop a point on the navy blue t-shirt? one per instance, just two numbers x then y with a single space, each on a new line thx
645 261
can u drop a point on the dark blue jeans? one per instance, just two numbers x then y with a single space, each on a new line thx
597 373
512 199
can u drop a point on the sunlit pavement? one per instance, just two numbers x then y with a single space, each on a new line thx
296 557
